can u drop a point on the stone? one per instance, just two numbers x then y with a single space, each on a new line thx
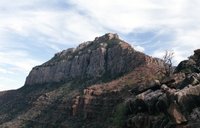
175 113
153 85
191 65
174 103
140 121
197 52
195 114
105 57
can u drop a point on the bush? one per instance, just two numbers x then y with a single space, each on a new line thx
119 116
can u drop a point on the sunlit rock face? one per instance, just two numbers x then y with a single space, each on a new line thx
106 56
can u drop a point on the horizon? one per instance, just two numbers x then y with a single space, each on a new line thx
31 32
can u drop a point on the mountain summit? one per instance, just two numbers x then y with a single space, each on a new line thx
106 56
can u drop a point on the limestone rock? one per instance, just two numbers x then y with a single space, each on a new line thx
105 57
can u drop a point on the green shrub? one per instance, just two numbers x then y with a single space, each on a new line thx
119 116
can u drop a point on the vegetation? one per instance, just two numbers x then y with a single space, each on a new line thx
167 69
119 116
168 65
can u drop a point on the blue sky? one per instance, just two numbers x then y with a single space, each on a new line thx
32 31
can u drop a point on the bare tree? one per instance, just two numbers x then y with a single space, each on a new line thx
168 64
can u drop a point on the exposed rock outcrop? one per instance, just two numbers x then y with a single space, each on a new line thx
106 56
191 65
174 104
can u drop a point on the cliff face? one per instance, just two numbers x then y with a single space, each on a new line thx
103 57
83 87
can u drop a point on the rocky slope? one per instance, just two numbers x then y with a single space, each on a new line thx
174 104
104 83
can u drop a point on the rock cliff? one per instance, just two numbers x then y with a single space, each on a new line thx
106 56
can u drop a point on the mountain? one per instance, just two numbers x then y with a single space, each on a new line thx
104 83
106 57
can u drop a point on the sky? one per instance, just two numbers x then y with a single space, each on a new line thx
32 31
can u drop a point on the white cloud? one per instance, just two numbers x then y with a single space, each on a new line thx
8 83
178 19
139 48
14 66
5 71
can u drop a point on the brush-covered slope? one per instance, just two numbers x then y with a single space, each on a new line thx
82 87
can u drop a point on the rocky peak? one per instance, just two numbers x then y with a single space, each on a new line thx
196 55
65 52
197 52
190 65
105 57
106 37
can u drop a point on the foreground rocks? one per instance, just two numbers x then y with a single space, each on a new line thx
174 104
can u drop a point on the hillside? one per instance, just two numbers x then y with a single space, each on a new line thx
175 104
104 83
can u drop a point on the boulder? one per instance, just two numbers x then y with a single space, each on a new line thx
175 113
